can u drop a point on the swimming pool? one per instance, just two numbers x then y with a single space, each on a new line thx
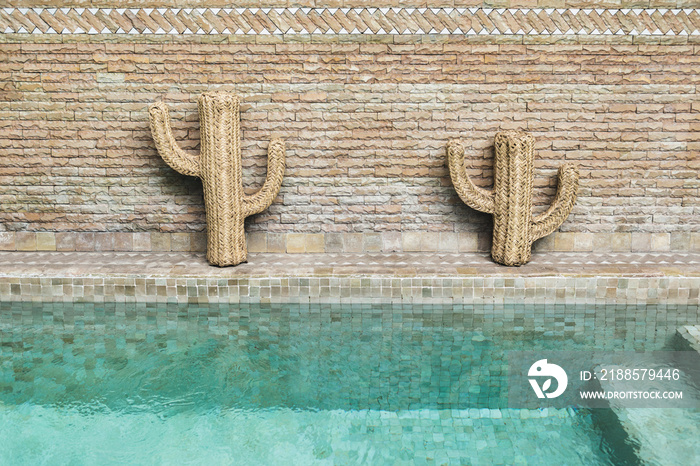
302 384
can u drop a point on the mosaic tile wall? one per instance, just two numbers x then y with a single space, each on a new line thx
660 291
357 384
464 347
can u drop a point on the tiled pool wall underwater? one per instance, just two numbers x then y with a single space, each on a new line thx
547 290
301 384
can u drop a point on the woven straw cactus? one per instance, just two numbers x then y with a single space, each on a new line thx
219 167
510 202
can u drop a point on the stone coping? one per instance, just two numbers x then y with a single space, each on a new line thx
691 335
593 279
185 264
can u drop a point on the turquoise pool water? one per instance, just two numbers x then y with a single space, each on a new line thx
291 384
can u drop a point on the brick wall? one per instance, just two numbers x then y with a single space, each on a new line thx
366 120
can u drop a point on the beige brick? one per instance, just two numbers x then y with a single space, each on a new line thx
429 241
334 242
352 242
296 243
180 242
660 242
484 241
160 242
602 242
680 241
545 244
142 241
123 241
257 241
7 240
583 242
85 241
620 242
373 242
45 241
449 242
468 241
315 243
641 242
198 241
564 241
695 242
411 241
104 241
391 241
25 241
276 243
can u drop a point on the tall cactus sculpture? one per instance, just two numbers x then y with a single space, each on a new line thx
510 202
219 167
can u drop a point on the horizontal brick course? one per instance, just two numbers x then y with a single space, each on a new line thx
365 242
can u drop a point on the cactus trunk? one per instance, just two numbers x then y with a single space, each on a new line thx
512 189
514 228
219 167
221 178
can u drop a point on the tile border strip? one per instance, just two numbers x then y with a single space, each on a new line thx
475 21
480 290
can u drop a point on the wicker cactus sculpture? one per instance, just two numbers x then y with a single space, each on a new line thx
510 202
219 167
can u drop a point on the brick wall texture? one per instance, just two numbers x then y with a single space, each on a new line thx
366 122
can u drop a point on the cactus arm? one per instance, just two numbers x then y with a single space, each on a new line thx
178 159
261 200
567 188
472 195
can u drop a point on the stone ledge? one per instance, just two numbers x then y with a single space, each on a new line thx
183 264
691 335
590 279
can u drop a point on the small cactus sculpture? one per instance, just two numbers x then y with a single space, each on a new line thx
219 167
510 202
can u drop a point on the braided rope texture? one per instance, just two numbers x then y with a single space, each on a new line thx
510 202
219 167
312 21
